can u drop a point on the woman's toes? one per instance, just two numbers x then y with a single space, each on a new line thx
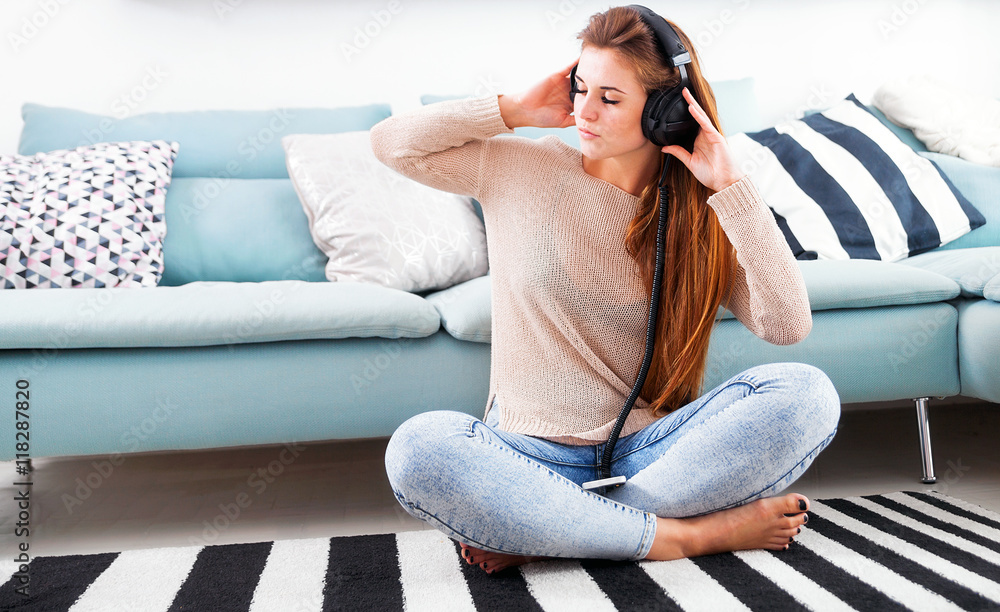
796 504
473 556
493 565
777 544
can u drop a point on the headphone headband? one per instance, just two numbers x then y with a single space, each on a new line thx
674 52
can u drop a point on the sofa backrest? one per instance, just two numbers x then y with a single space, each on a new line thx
981 185
242 144
231 211
233 215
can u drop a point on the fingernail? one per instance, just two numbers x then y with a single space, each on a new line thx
802 504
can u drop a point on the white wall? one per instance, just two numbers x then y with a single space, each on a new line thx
119 57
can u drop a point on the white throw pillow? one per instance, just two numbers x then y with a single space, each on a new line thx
87 217
843 186
945 118
378 226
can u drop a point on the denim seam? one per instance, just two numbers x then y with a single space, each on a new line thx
706 401
542 458
452 530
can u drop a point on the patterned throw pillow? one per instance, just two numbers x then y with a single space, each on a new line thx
843 186
377 226
86 217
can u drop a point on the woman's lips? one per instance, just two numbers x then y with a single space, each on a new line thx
586 134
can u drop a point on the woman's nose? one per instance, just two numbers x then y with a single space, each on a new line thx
586 109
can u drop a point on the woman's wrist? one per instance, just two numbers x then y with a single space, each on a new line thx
510 111
729 181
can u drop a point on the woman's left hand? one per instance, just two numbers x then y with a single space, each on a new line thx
711 161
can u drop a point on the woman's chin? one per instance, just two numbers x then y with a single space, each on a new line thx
590 149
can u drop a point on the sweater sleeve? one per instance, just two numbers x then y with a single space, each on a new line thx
441 145
767 294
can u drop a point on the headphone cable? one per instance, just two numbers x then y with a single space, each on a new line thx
654 307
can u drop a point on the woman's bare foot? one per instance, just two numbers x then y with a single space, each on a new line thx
769 523
493 561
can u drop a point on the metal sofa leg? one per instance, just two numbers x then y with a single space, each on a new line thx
925 440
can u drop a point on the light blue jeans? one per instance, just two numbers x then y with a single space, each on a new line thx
748 438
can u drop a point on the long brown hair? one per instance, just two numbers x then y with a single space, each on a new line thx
700 260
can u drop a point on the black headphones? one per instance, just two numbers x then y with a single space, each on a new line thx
665 118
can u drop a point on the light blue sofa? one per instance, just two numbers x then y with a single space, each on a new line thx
245 343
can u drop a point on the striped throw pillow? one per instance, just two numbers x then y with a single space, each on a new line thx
841 185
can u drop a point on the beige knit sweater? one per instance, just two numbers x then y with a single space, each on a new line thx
569 307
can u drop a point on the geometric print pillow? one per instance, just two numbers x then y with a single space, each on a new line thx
841 185
86 217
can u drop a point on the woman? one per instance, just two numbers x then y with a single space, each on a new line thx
572 246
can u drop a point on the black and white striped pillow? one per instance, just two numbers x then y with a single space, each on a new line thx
843 186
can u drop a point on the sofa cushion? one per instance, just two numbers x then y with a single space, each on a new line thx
972 269
466 310
214 143
842 186
92 216
981 185
207 313
978 349
865 283
992 289
862 283
233 229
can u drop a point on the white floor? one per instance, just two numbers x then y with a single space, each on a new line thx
87 505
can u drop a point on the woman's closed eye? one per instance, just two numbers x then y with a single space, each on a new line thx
576 90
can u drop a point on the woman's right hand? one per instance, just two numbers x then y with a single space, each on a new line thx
546 104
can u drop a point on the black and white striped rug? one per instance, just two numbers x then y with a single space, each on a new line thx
897 551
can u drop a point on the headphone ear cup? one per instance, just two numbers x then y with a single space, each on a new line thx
675 109
572 85
666 119
649 118
654 117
